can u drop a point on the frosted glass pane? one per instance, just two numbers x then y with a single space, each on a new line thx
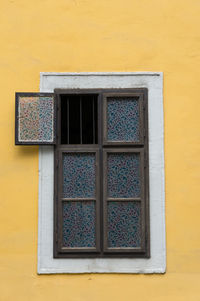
79 176
124 229
123 175
79 224
123 119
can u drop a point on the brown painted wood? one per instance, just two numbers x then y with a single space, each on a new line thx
104 147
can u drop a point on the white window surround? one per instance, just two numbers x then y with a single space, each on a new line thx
157 262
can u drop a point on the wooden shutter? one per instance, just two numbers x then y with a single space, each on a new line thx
125 173
124 200
35 116
78 201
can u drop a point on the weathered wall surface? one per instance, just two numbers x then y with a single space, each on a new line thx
115 35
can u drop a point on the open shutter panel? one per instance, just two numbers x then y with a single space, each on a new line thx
35 119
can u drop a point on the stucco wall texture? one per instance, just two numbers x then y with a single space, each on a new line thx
99 35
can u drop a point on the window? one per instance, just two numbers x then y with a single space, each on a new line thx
30 123
101 174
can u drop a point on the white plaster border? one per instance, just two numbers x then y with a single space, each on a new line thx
157 262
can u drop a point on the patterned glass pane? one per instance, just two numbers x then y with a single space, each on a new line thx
35 119
124 224
123 119
124 175
79 224
79 175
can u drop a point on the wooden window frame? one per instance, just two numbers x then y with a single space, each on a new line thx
104 146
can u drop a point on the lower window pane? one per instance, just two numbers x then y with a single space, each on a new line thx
79 224
124 224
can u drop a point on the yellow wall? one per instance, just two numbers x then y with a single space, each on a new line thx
101 35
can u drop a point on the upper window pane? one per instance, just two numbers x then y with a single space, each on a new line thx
123 118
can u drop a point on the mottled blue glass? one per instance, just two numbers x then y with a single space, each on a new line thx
123 175
79 175
36 122
123 119
124 224
79 224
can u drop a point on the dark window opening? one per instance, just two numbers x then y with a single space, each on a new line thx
79 119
